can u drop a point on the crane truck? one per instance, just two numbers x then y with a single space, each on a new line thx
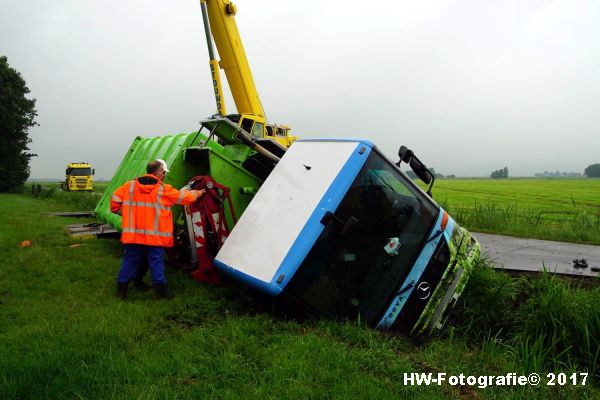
330 226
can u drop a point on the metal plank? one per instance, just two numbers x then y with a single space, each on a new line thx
93 230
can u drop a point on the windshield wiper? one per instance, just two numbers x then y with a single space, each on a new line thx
438 233
406 288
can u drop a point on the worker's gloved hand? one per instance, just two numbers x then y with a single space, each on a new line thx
118 211
199 193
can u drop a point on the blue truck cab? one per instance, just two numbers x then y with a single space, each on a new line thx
341 232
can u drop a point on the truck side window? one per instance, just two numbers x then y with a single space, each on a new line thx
257 130
247 124
269 130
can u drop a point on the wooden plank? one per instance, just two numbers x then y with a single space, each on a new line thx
93 230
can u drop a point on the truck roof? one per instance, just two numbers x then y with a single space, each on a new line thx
356 140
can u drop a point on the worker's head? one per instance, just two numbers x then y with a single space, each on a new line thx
157 168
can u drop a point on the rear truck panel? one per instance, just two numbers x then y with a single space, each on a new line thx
282 244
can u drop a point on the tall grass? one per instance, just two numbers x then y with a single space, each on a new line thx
544 322
510 219
558 209
566 321
73 201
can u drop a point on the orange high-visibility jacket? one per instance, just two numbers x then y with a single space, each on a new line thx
145 205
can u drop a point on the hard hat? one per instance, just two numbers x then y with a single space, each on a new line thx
164 164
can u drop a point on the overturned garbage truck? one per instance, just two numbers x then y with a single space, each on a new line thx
332 227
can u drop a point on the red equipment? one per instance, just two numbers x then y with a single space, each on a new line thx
209 226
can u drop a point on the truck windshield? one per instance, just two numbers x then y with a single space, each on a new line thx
357 268
79 171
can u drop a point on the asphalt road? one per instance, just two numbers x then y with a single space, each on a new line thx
533 255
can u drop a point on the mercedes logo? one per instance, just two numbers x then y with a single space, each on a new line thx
423 290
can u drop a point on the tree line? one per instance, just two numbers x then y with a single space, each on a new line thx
17 115
592 171
500 173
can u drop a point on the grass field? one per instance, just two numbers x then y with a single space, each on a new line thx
553 209
65 335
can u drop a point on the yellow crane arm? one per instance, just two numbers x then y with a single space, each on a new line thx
233 58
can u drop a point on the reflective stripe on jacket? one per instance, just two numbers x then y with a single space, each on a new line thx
145 206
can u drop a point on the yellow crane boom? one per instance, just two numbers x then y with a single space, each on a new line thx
233 57
218 17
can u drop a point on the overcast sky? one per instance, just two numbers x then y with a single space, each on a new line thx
470 86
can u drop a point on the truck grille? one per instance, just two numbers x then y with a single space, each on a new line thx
432 275
81 183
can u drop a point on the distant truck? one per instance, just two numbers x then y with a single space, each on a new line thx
78 177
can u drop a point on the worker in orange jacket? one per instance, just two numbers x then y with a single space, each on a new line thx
145 205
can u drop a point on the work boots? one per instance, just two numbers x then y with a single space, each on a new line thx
140 285
122 290
161 290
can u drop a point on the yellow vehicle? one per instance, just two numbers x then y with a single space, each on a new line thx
79 177
218 16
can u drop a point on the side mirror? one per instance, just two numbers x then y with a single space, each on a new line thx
94 171
417 166
421 170
405 155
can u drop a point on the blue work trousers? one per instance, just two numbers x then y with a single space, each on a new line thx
133 258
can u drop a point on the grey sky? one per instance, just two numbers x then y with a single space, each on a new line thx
471 86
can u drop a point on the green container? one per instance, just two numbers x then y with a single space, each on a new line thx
187 155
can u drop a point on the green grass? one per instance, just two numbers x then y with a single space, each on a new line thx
99 187
73 201
65 335
553 209
548 323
